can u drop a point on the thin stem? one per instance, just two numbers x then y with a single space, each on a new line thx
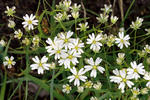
18 17
52 86
134 39
62 26
76 27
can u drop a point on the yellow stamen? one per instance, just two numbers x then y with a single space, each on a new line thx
77 76
9 62
66 40
40 64
122 41
76 47
67 87
94 42
29 21
124 80
70 56
58 51
94 67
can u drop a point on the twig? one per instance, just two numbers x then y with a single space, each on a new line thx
84 10
121 8
114 4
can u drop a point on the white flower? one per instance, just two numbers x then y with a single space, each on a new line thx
26 41
56 48
66 88
144 91
40 65
58 17
88 84
122 79
110 40
67 3
93 98
52 65
113 19
9 62
10 11
75 15
11 23
137 24
77 76
68 58
75 7
2 43
94 41
97 86
66 38
18 34
36 41
135 91
136 70
52 43
83 26
148 31
66 16
102 18
120 58
94 66
29 21
115 79
76 46
107 9
147 48
122 40
80 89
147 77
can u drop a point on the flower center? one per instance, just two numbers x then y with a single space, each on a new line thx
124 80
9 62
29 21
58 51
88 84
94 42
40 64
122 41
77 76
76 47
66 40
135 70
94 67
135 92
67 87
70 56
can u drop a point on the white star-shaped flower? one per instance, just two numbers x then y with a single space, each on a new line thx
95 42
94 66
147 77
66 38
68 58
122 79
136 70
9 62
122 40
40 65
18 34
77 76
29 21
76 46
